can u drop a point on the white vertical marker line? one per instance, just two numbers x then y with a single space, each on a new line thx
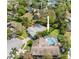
48 23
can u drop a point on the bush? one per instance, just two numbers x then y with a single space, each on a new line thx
27 22
55 26
18 19
9 34
20 30
21 10
29 43
64 40
54 33
52 19
9 7
67 40
42 34
64 56
61 38
22 2
22 35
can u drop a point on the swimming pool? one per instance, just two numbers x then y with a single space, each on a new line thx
52 41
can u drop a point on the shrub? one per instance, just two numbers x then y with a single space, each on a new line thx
9 7
52 19
64 40
55 26
9 34
29 43
64 56
22 2
54 33
19 30
21 10
67 40
61 38
42 34
22 34
26 22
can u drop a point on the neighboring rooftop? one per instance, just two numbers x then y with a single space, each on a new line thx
35 28
52 2
15 43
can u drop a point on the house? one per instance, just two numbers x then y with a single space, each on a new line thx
41 47
52 3
14 43
35 28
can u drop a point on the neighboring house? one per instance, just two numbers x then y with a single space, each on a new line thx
14 43
35 28
40 47
52 3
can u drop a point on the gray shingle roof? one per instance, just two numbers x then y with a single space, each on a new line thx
36 28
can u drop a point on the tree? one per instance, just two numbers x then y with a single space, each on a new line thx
64 56
18 30
27 22
42 34
14 54
62 14
22 2
9 7
21 10
55 33
29 43
22 34
9 34
61 39
67 40
40 4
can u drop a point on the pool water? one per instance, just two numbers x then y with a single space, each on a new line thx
52 41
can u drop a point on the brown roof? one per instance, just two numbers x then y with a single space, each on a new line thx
54 50
42 47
